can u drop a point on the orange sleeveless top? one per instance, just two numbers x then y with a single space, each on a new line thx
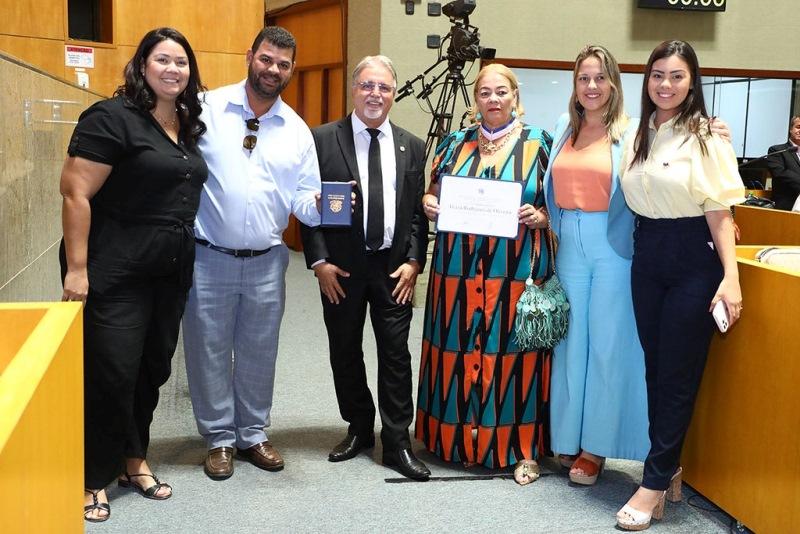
582 178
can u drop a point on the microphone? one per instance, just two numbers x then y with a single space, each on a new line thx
407 89
792 148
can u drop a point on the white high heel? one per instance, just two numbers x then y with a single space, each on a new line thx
629 518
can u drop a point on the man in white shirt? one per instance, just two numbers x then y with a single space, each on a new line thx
262 166
374 262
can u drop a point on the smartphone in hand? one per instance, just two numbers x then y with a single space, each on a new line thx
720 314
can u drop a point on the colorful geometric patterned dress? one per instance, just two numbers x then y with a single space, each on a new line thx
472 375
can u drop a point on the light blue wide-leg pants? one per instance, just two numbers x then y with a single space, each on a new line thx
230 338
598 399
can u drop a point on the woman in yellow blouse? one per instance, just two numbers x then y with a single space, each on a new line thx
680 180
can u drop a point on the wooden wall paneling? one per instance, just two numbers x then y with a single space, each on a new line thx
218 25
218 69
312 97
224 26
134 18
291 95
41 53
16 18
324 102
335 94
40 40
318 34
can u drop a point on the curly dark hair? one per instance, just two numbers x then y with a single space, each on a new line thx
692 112
276 36
136 89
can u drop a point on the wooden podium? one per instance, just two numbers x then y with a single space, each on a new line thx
767 226
41 417
743 447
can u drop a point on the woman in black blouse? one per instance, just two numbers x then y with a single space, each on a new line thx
131 186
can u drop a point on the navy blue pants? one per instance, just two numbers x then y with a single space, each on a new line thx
675 273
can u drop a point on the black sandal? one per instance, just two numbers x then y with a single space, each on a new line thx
149 493
96 505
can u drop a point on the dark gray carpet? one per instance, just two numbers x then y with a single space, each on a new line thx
314 495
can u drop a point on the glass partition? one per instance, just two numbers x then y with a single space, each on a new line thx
757 109
39 113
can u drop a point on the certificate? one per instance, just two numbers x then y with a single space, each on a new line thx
481 206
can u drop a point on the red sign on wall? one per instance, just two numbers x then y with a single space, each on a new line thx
79 56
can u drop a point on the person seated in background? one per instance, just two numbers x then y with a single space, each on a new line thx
785 169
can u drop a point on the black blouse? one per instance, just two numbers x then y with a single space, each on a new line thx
143 215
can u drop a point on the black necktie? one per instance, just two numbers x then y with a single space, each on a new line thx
375 209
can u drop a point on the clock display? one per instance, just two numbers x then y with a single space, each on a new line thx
685 5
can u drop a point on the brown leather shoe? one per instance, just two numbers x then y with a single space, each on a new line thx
263 455
219 463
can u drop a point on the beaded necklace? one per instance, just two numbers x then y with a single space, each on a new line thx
486 138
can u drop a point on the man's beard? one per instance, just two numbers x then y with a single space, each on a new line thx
255 84
372 113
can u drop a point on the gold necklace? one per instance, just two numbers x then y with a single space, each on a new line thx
490 147
166 124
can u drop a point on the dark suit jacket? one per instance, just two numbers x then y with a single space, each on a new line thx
344 247
785 170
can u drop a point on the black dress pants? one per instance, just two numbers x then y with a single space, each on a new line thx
130 334
675 273
390 323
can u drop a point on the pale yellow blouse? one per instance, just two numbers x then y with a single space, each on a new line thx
677 179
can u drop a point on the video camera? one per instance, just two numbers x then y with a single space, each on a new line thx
464 47
464 39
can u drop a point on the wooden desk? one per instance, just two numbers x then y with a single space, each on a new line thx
41 417
742 450
767 226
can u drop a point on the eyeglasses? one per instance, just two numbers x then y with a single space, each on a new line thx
368 87
250 139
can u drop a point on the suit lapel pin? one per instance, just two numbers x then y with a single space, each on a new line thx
402 148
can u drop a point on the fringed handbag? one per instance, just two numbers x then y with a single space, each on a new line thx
542 311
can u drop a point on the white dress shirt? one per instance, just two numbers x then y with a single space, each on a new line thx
248 197
362 139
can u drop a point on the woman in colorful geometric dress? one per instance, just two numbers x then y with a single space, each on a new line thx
482 400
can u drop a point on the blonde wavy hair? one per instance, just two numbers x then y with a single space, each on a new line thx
513 83
614 117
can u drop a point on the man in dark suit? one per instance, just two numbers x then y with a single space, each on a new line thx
375 261
785 169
